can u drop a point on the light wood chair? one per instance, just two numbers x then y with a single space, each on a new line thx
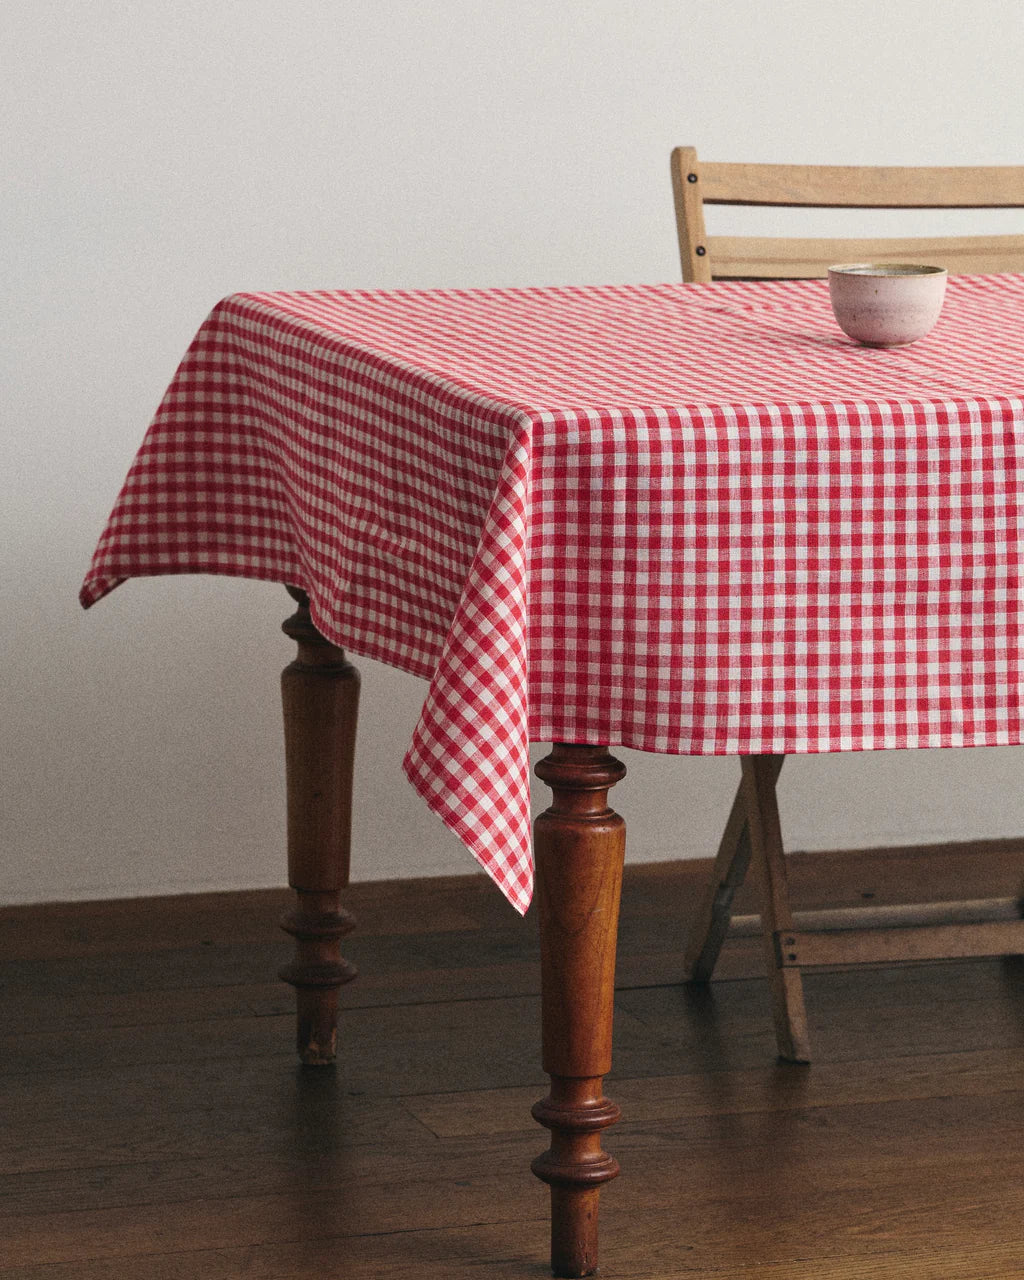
753 836
707 257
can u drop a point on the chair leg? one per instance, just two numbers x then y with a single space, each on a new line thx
710 923
759 777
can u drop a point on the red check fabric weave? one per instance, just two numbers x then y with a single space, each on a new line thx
693 519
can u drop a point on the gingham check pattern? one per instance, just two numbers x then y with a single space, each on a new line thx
685 518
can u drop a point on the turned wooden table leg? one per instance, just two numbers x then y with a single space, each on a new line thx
320 696
579 846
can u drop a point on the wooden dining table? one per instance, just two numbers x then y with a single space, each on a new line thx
688 519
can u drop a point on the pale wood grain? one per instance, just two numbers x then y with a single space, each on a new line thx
696 183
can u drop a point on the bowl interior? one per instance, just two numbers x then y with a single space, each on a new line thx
886 269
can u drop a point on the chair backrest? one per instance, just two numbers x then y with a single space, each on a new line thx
707 257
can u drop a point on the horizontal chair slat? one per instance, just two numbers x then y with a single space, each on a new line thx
757 257
890 946
850 187
903 915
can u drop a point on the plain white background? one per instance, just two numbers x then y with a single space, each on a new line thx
159 156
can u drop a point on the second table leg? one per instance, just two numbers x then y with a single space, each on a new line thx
320 695
579 846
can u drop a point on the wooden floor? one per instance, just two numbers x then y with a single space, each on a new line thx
154 1125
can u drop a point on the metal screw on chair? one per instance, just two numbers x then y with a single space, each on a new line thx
691 177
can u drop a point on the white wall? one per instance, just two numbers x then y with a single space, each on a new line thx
160 155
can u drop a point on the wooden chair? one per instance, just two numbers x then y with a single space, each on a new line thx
795 941
707 258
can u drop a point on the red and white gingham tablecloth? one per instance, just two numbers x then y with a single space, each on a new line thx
684 518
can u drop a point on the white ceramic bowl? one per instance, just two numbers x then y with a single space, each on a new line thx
886 304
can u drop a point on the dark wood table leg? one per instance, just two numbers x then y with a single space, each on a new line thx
320 696
579 846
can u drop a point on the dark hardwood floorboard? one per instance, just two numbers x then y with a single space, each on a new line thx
154 1124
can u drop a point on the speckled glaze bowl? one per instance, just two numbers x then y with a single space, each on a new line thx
886 304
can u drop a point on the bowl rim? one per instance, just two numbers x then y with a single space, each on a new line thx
892 270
